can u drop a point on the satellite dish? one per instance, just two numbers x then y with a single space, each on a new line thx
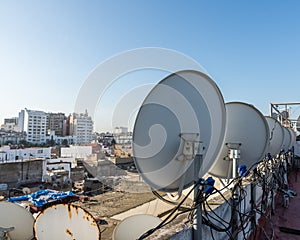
185 102
65 221
133 227
276 136
298 124
293 138
47 178
26 190
286 139
285 115
68 181
274 115
248 127
13 215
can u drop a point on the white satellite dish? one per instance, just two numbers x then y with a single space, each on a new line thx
276 136
131 228
66 221
293 138
248 127
26 190
287 139
186 102
13 215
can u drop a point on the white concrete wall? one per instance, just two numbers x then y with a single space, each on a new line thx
26 153
76 151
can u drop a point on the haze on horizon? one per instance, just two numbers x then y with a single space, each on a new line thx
48 50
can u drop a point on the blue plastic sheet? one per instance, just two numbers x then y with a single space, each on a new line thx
42 197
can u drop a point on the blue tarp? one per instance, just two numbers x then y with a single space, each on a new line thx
42 197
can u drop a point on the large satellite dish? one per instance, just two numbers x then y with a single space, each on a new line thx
186 103
298 124
293 138
287 139
13 215
66 221
133 227
245 125
276 136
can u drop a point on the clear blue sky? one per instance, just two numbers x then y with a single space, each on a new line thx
48 48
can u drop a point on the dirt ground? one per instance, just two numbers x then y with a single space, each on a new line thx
102 207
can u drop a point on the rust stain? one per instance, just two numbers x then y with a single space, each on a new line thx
87 217
69 211
94 224
76 209
69 232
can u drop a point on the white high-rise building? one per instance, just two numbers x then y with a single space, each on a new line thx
34 124
81 127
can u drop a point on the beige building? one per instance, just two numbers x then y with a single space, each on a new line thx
81 127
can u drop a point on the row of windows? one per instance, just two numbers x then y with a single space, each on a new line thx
35 117
36 122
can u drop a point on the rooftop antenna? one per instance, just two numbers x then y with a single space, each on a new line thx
245 126
134 226
276 136
287 140
178 132
16 222
245 143
65 221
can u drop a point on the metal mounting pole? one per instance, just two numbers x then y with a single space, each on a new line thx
253 199
234 200
234 156
197 224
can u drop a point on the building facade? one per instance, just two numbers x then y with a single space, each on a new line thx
14 155
56 122
120 130
11 137
34 123
10 124
81 127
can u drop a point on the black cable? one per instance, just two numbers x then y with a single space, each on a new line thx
268 180
217 216
156 194
164 222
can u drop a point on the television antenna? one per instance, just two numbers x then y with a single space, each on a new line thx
134 226
65 221
178 132
16 222
248 128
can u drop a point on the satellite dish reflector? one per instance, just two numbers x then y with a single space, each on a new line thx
133 227
298 124
26 190
13 215
66 221
293 138
276 136
248 127
186 104
287 139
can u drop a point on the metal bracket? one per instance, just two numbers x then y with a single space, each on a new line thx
4 231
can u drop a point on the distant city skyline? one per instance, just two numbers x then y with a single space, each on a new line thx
48 50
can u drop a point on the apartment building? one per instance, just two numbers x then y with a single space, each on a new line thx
56 122
81 127
34 123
